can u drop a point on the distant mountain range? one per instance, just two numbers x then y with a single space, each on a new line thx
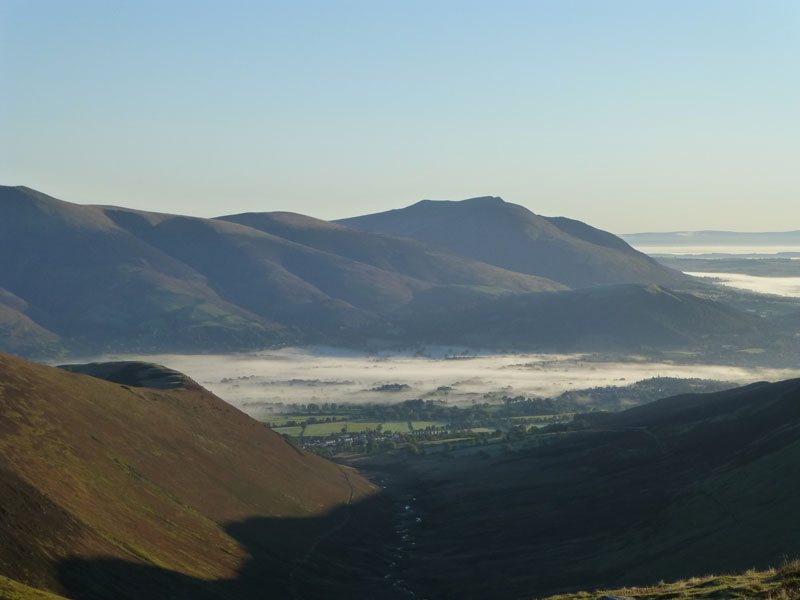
99 276
714 238
85 279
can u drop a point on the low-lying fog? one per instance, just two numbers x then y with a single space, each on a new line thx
780 286
253 381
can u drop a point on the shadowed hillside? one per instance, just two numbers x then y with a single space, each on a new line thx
399 255
682 487
603 318
18 332
111 491
89 281
512 237
137 374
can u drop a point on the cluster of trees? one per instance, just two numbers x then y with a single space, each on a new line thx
641 392
510 418
493 415
304 422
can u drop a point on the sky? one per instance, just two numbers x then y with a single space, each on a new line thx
636 115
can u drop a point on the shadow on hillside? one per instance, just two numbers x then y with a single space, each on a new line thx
343 554
686 486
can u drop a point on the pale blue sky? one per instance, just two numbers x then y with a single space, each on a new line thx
631 115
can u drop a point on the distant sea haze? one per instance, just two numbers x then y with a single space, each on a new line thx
704 249
779 286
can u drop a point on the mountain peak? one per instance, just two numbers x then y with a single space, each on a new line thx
484 200
478 201
512 237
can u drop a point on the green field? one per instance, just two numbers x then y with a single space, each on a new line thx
545 418
328 428
293 431
320 429
325 429
397 426
424 424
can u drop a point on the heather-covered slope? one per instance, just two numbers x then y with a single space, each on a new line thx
510 236
114 491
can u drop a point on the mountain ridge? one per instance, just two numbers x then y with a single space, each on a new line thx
401 255
94 279
511 236
118 276
712 237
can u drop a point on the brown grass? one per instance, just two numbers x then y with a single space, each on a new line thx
148 476
782 583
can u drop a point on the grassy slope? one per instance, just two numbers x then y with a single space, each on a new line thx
773 584
158 478
14 590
